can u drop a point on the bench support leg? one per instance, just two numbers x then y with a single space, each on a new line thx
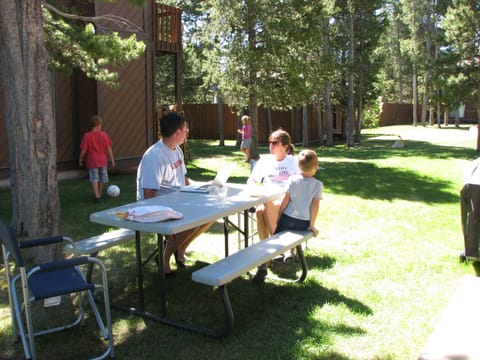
303 262
228 311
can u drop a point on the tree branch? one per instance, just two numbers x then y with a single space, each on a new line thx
118 22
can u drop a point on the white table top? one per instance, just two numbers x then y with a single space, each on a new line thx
197 208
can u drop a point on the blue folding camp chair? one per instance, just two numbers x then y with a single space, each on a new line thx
49 281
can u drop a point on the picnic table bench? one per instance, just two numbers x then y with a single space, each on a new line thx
220 273
93 245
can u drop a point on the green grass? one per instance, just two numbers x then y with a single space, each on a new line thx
380 273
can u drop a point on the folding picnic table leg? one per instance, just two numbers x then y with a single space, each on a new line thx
138 250
225 234
161 267
303 262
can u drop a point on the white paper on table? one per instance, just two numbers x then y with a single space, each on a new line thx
194 188
153 213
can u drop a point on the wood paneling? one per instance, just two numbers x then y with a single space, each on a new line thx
203 121
396 114
4 162
66 144
125 110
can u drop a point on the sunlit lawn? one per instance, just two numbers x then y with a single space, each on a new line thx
381 271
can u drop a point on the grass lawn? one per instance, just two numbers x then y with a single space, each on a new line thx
381 270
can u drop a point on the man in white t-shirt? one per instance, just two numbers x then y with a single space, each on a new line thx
162 170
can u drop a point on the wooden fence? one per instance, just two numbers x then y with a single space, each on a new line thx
402 114
205 124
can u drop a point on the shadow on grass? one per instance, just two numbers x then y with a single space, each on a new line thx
272 320
275 316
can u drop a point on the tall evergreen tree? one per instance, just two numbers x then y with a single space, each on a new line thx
462 30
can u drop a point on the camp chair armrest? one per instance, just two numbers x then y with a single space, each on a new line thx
55 265
41 241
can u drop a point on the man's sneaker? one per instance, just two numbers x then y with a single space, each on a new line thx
97 200
261 274
288 257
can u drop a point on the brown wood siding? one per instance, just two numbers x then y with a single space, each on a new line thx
124 110
63 115
396 114
471 114
402 114
4 161
203 121
84 105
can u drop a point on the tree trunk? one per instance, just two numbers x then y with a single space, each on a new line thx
221 122
319 119
425 99
361 86
415 98
478 121
329 113
29 121
350 86
399 62
253 110
269 120
304 126
292 124
439 114
239 126
358 135
327 95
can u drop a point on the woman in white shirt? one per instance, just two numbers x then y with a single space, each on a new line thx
273 169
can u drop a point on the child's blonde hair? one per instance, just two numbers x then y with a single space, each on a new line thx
246 119
307 160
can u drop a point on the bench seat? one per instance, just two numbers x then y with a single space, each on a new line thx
237 264
95 244
220 273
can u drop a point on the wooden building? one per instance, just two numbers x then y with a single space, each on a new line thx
128 112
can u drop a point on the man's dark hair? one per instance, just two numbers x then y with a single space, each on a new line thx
170 123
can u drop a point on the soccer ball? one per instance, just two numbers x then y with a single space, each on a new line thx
113 191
